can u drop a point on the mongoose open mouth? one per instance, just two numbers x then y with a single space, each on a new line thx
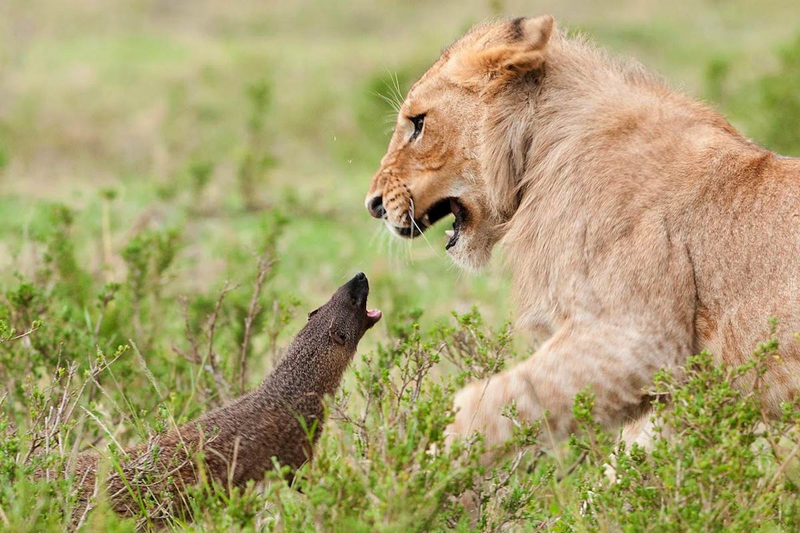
373 316
358 290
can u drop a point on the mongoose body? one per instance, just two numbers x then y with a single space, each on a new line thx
279 421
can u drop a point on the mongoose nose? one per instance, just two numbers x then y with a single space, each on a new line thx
359 287
375 207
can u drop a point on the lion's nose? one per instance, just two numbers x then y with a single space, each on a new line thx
375 207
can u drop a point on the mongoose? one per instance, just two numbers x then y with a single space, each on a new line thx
281 419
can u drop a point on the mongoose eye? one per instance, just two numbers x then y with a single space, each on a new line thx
312 313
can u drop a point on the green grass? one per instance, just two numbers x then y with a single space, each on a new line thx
113 109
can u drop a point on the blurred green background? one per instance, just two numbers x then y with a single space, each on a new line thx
214 118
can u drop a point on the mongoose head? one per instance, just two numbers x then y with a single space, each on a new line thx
345 318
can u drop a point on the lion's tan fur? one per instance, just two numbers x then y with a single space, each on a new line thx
639 226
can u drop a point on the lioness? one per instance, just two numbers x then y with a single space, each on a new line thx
639 225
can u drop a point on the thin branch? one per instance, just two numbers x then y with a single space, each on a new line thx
571 468
264 266
211 357
782 468
194 356
146 370
34 327
212 324
103 426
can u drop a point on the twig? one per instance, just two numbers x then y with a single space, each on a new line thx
571 468
783 467
89 505
264 266
37 435
94 371
212 324
219 381
194 357
100 422
232 472
34 327
146 370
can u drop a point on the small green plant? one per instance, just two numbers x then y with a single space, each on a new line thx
148 255
54 231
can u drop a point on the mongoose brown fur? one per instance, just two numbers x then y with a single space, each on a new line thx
281 419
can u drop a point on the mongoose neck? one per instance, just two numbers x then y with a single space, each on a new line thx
307 370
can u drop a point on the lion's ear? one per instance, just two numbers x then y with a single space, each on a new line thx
523 52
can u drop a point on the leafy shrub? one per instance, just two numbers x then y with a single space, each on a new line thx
382 465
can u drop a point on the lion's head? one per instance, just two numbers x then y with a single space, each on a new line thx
456 145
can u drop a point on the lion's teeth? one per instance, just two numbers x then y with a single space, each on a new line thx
450 233
426 219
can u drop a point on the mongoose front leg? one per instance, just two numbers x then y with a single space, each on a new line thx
615 364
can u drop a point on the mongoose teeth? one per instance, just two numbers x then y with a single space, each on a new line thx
449 233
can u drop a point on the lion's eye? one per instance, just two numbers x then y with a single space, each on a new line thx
418 122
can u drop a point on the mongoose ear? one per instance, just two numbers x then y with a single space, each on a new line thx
523 52
337 336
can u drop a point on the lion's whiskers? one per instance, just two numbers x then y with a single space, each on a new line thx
395 90
388 100
414 225
378 235
389 243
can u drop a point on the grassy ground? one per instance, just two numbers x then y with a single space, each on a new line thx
251 126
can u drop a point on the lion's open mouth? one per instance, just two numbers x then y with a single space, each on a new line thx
433 215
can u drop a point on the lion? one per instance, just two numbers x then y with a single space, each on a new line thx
638 225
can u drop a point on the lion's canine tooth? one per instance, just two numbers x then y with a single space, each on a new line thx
449 233
426 219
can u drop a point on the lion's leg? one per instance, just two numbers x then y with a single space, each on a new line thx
640 431
615 364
